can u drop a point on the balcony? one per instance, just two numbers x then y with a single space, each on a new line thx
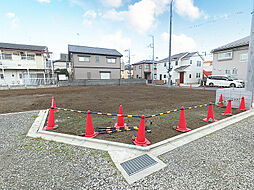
21 64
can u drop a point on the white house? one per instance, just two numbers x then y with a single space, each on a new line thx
186 68
24 64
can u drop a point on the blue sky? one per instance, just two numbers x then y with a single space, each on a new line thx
198 25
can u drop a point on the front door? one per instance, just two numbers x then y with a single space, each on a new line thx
181 77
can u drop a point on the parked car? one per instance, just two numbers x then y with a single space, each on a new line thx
224 80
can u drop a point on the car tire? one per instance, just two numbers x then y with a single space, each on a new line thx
232 85
211 84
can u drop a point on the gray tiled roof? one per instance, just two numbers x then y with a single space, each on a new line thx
189 55
237 43
22 47
176 56
93 50
145 61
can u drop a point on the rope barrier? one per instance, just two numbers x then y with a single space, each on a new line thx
150 116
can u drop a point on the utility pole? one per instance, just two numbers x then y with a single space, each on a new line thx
153 57
250 66
169 45
129 64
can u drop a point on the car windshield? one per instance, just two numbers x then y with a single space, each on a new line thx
232 78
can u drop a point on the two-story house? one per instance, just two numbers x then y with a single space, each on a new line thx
231 59
94 63
23 64
186 68
127 72
144 70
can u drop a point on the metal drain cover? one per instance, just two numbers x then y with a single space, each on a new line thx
138 164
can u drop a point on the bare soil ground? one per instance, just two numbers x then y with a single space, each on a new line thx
136 100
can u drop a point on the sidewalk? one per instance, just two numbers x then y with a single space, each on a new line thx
223 160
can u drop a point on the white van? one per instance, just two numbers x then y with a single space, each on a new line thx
224 80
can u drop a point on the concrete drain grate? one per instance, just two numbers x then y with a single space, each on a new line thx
138 164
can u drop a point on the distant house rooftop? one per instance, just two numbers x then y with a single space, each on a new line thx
237 43
145 62
174 57
93 50
23 47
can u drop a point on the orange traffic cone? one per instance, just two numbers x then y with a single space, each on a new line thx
204 87
89 126
242 105
51 121
179 86
221 87
190 86
220 103
53 104
141 139
228 110
120 121
210 115
161 84
182 122
153 84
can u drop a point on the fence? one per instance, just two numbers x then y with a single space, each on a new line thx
102 82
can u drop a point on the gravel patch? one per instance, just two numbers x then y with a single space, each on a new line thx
223 160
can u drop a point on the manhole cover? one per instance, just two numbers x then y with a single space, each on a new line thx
138 164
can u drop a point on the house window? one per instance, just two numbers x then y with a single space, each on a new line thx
176 63
38 54
198 63
165 76
7 56
190 61
155 66
85 59
225 55
111 60
2 76
137 76
165 64
243 57
147 66
97 58
30 57
155 76
197 75
234 71
20 76
227 72
140 66
190 76
23 56
12 75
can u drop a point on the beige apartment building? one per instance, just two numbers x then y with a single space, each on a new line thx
144 70
22 64
94 63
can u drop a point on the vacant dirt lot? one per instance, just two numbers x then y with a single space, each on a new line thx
135 100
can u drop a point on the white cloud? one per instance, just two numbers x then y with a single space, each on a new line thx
10 15
180 43
116 41
187 8
13 19
112 3
114 15
44 1
142 14
90 14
